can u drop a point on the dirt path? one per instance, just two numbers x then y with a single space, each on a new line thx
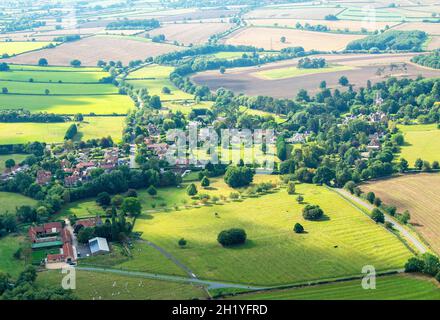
421 248
171 257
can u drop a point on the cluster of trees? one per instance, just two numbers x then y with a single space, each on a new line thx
238 176
21 115
4 66
67 38
426 263
232 237
115 229
25 288
312 212
391 40
431 60
23 23
125 24
314 63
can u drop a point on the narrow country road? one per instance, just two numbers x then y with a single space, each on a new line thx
396 225
208 283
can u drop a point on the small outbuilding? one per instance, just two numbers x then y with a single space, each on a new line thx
98 246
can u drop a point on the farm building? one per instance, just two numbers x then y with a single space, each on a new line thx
98 246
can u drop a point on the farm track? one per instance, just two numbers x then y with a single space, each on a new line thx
421 248
171 257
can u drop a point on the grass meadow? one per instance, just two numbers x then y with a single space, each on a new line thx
90 128
154 78
110 286
17 158
337 246
9 201
69 105
17 47
395 287
8 246
421 141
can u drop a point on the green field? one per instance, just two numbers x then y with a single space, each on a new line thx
9 201
53 75
291 72
338 246
154 78
8 246
110 286
57 88
17 47
17 158
92 127
100 104
142 258
421 141
396 287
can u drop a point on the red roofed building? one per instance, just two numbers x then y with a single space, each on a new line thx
43 177
53 227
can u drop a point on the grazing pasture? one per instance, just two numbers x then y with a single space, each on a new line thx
154 78
17 158
421 141
111 286
141 257
190 33
270 39
92 49
418 193
91 128
337 246
17 47
357 68
395 287
8 264
11 200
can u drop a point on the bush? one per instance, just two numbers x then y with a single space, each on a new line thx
231 237
377 202
191 190
312 212
431 264
437 277
151 190
182 243
370 197
291 187
131 193
298 228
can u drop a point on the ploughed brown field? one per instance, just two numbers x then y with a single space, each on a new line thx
418 193
90 50
364 67
187 33
270 39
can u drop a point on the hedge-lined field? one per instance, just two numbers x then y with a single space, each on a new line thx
91 128
9 201
110 286
421 141
394 287
17 47
337 246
